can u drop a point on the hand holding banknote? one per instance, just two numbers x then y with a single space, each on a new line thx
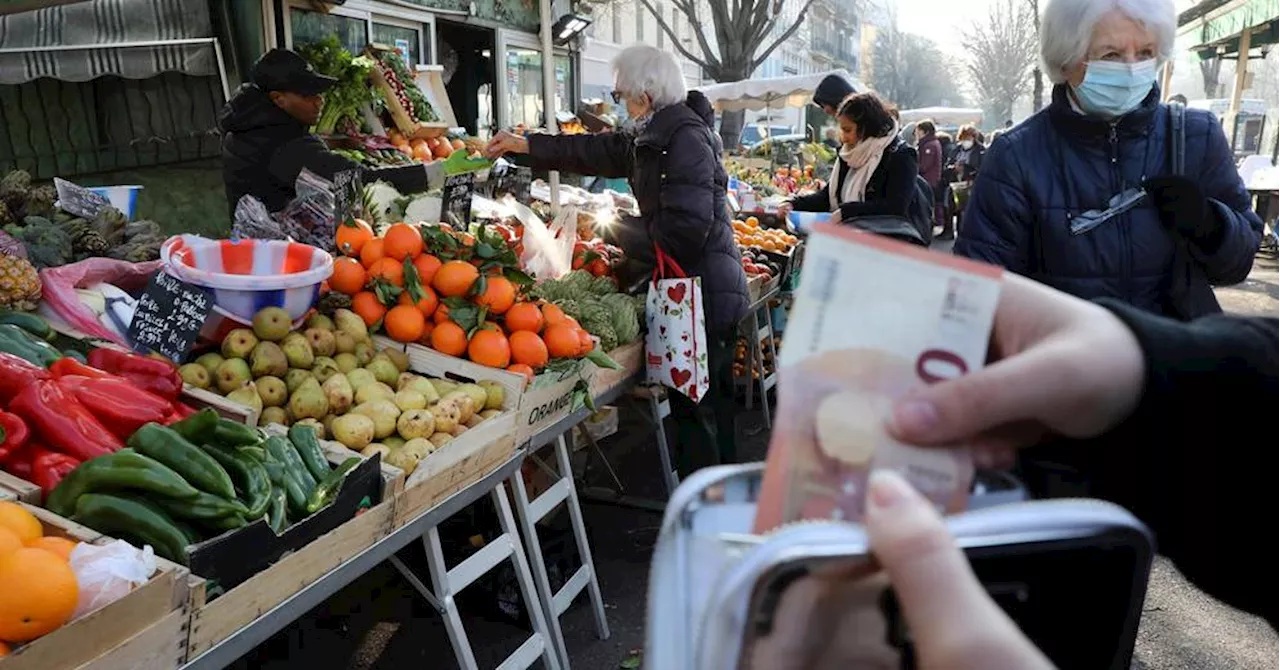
1061 365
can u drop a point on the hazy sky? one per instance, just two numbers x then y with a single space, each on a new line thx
943 21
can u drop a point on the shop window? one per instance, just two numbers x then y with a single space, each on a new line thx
406 40
524 86
307 27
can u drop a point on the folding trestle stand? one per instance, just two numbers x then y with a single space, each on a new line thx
659 408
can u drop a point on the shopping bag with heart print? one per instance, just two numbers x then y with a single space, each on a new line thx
676 344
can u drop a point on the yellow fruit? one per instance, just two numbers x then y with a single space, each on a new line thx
23 523
19 284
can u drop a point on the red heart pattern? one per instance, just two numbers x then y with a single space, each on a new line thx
676 293
680 377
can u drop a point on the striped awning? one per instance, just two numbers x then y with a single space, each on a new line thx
135 39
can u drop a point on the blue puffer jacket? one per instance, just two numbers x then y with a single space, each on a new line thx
1060 163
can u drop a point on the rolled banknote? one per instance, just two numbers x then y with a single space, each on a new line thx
873 318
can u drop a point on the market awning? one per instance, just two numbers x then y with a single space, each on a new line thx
135 39
1216 25
772 93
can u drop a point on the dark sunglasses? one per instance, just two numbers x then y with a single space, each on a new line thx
617 97
1117 205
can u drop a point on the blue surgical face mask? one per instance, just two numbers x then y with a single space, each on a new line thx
1113 89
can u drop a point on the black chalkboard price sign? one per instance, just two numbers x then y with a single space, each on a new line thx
78 200
169 316
523 179
455 201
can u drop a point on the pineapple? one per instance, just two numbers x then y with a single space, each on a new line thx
19 284
40 201
6 215
15 187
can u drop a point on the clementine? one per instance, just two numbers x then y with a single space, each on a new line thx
38 593
348 276
388 270
371 252
9 541
521 369
528 348
57 545
562 341
427 304
499 295
352 237
585 343
524 316
552 314
427 265
368 307
427 327
449 338
404 323
402 241
455 278
441 315
490 347
24 524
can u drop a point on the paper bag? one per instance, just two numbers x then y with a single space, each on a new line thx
676 344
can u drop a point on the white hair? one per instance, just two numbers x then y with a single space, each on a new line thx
642 69
1066 28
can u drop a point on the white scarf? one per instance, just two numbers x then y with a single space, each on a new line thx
863 158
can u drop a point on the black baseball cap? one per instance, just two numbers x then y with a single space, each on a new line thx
284 70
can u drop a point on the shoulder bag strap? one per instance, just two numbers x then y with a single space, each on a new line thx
1177 138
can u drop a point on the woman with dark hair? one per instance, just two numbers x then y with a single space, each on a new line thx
966 161
876 173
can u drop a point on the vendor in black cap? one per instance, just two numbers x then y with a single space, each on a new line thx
831 91
267 140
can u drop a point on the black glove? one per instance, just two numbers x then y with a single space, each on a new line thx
1185 209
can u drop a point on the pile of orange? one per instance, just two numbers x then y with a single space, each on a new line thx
748 234
38 589
425 150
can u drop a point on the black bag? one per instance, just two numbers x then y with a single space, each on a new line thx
920 211
1189 293
894 227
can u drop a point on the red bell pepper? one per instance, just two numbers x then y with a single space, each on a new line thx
122 407
19 463
149 374
17 374
49 467
62 422
180 411
13 434
69 366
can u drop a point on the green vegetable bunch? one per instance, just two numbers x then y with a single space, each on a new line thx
595 303
422 109
342 101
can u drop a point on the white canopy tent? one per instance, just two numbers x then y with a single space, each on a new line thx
946 116
770 93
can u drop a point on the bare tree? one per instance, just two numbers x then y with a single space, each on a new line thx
1209 71
909 71
1001 50
1037 76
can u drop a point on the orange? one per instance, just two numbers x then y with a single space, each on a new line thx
562 341
499 295
427 266
449 338
4 650
404 323
366 304
427 328
58 545
457 144
552 314
402 241
371 252
491 348
388 270
38 594
24 524
427 304
752 222
521 369
585 343
441 315
348 276
352 238
9 541
528 348
455 278
524 316
422 152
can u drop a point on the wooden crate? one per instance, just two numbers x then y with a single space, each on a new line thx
392 477
427 361
406 124
147 624
630 357
455 466
200 398
19 489
214 620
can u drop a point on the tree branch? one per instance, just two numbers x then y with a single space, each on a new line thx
690 11
785 36
662 23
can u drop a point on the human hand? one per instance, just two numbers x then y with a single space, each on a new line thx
1183 207
506 142
952 620
1062 365
785 209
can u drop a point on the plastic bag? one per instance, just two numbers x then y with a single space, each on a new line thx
548 250
109 572
62 302
308 218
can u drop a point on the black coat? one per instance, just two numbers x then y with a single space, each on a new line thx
264 150
675 172
889 190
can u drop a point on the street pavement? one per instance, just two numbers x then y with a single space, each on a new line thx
380 622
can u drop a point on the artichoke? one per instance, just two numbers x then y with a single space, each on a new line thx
15 187
40 201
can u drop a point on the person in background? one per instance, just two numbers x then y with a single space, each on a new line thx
831 91
875 174
942 190
995 134
966 161
672 158
267 140
930 164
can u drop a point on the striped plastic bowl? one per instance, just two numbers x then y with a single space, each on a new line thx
249 275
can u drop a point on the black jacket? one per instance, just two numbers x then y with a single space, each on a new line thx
1204 490
675 172
889 190
972 161
264 150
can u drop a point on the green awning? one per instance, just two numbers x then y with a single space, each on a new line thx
1220 34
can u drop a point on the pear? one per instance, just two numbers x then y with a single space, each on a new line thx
338 391
350 322
440 439
354 431
384 414
273 391
465 403
376 448
360 377
231 375
495 394
324 368
272 324
374 391
402 459
313 425
474 421
239 343
268 359
298 350
343 342
247 395
308 401
416 423
294 378
346 362
319 321
409 399
211 361
274 415
479 396
444 387
196 375
400 358
425 387
322 341
364 354
383 370
489 414
394 441
419 447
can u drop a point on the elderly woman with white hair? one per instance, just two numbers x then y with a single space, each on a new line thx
671 156
1108 192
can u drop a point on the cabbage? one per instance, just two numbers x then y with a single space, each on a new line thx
382 198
